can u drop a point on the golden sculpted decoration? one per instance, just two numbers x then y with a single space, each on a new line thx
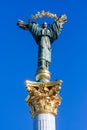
44 13
61 19
43 97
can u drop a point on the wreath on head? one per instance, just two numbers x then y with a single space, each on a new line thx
42 14
61 19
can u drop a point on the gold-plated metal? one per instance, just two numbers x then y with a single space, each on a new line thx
43 97
62 19
43 73
44 13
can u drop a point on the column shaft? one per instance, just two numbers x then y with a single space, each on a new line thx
44 122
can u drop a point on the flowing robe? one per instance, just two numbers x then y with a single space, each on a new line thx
44 37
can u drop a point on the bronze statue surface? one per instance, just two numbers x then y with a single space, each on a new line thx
44 36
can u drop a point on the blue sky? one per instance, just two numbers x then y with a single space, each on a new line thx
18 56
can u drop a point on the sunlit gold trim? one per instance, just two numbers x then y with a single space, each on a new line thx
43 74
43 97
44 13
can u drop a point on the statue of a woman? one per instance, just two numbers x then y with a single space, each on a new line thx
44 37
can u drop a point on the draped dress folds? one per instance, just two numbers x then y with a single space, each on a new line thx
44 51
44 37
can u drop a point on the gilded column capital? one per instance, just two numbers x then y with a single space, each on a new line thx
43 97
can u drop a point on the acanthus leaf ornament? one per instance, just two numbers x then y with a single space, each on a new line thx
43 97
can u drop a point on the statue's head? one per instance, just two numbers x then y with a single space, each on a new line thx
44 25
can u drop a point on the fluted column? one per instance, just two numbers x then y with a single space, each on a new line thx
44 122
